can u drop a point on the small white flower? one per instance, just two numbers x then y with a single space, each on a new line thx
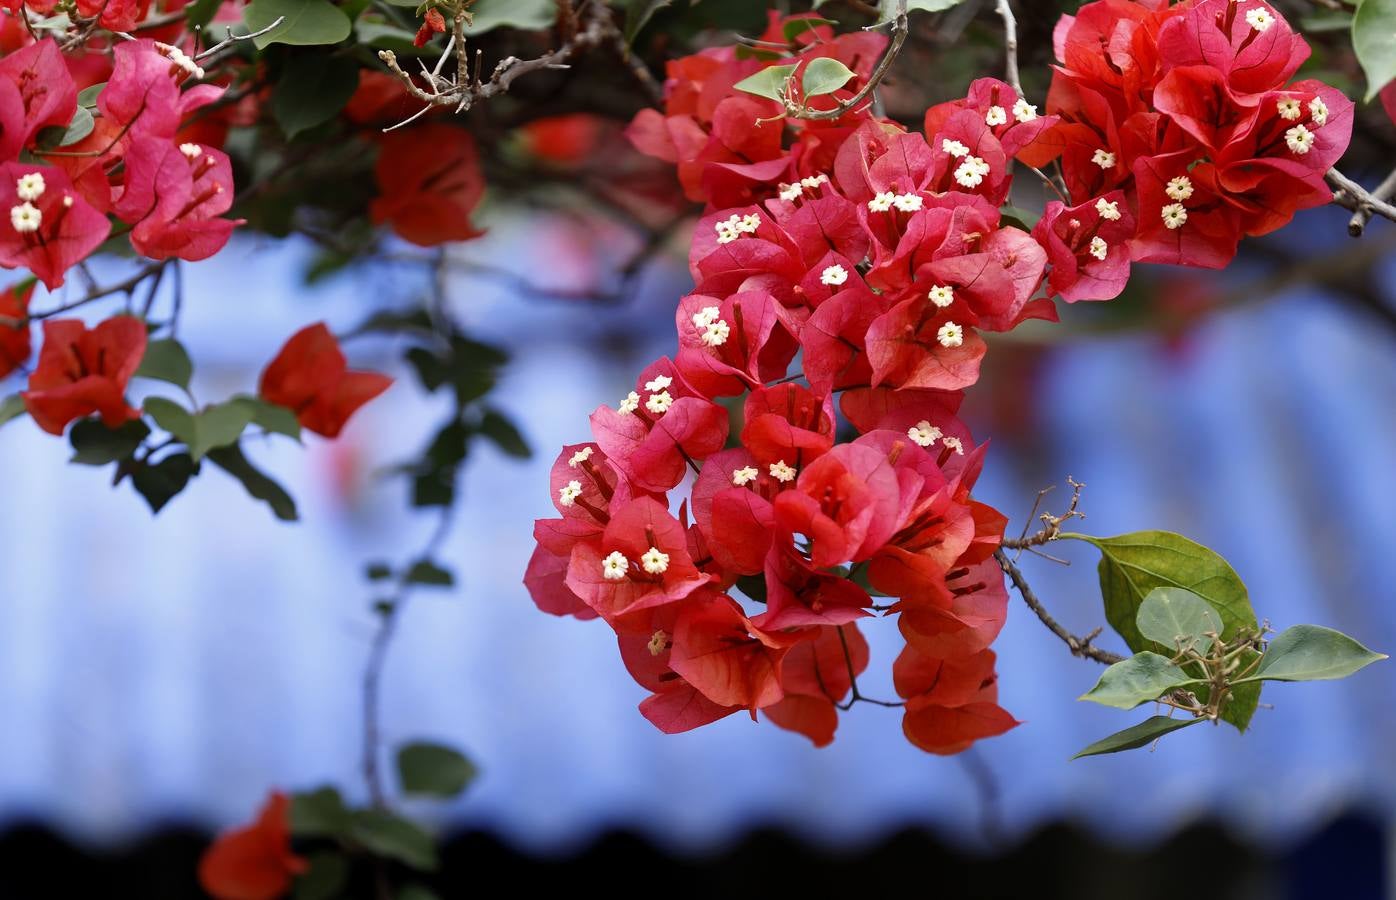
660 382
907 202
658 642
781 472
655 561
68 199
1260 18
953 443
191 151
833 276
580 456
716 334
1108 210
569 492
791 192
1174 216
1289 109
31 186
725 233
950 335
882 202
814 181
629 404
1024 111
706 316
1318 112
1179 188
750 223
25 217
1299 139
971 172
1103 158
1099 248
996 115
659 403
614 566
941 295
744 476
954 148
923 433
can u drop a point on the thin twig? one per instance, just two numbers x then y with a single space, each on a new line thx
1363 203
1010 45
1079 646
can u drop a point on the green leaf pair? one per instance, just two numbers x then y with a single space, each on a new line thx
822 75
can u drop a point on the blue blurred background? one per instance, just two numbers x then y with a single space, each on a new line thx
176 668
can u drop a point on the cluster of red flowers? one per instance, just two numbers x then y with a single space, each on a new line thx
876 256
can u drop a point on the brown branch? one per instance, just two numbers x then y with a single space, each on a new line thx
1363 203
127 286
1010 45
1051 525
899 32
1079 646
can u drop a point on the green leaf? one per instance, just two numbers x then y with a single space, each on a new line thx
1133 565
394 837
199 13
325 879
1146 732
167 360
824 75
219 425
1143 677
94 444
271 417
426 572
1312 653
889 7
172 417
319 813
435 769
304 22
1026 218
161 482
793 28
389 37
232 461
62 136
312 89
529 15
1374 39
495 426
378 571
88 96
639 15
1176 618
769 82
12 407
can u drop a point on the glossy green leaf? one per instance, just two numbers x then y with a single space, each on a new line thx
528 15
232 461
435 769
769 82
394 837
1146 732
1177 618
88 95
94 444
304 22
1141 678
1312 653
889 7
1374 39
167 360
824 75
319 813
1133 565
161 482
11 407
312 90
